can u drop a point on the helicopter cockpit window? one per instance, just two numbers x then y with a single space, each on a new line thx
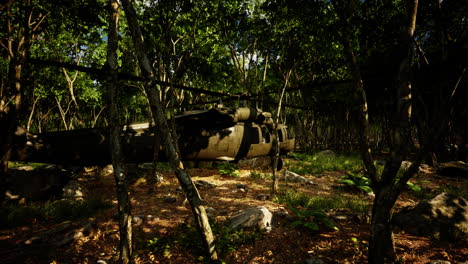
280 135
266 135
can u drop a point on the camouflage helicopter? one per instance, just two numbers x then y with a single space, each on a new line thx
220 133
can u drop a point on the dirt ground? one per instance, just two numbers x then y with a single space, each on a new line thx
284 244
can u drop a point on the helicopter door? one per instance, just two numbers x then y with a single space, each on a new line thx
280 135
265 135
259 145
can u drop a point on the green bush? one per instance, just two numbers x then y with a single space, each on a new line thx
188 238
60 210
16 215
316 164
311 219
295 199
255 175
228 169
357 181
310 210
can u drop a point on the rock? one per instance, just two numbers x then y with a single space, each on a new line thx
137 220
294 177
371 196
256 162
263 197
241 186
281 212
445 217
147 170
170 199
257 217
453 169
405 164
108 169
280 217
73 191
151 219
242 190
344 216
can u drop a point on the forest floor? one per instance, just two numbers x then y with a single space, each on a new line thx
158 238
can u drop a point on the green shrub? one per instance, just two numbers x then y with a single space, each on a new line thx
292 198
60 210
310 210
16 164
356 181
228 169
311 219
187 237
295 199
12 215
316 164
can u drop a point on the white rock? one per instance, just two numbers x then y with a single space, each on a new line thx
259 217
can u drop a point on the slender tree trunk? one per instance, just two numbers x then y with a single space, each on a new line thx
388 188
170 150
381 245
276 143
17 47
124 206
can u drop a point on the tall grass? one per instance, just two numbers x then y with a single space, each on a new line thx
316 164
355 203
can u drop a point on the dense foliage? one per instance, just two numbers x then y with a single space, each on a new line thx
348 73
240 47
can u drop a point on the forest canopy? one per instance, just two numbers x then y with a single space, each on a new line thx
234 48
385 77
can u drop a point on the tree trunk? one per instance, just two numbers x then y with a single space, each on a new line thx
124 206
381 245
387 188
344 13
170 150
276 143
17 49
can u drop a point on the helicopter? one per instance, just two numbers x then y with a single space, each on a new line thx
218 134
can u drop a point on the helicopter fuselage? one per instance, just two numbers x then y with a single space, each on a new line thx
219 134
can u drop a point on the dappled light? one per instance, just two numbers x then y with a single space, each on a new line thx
256 132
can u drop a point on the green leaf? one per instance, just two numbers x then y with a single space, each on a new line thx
347 182
312 226
367 189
